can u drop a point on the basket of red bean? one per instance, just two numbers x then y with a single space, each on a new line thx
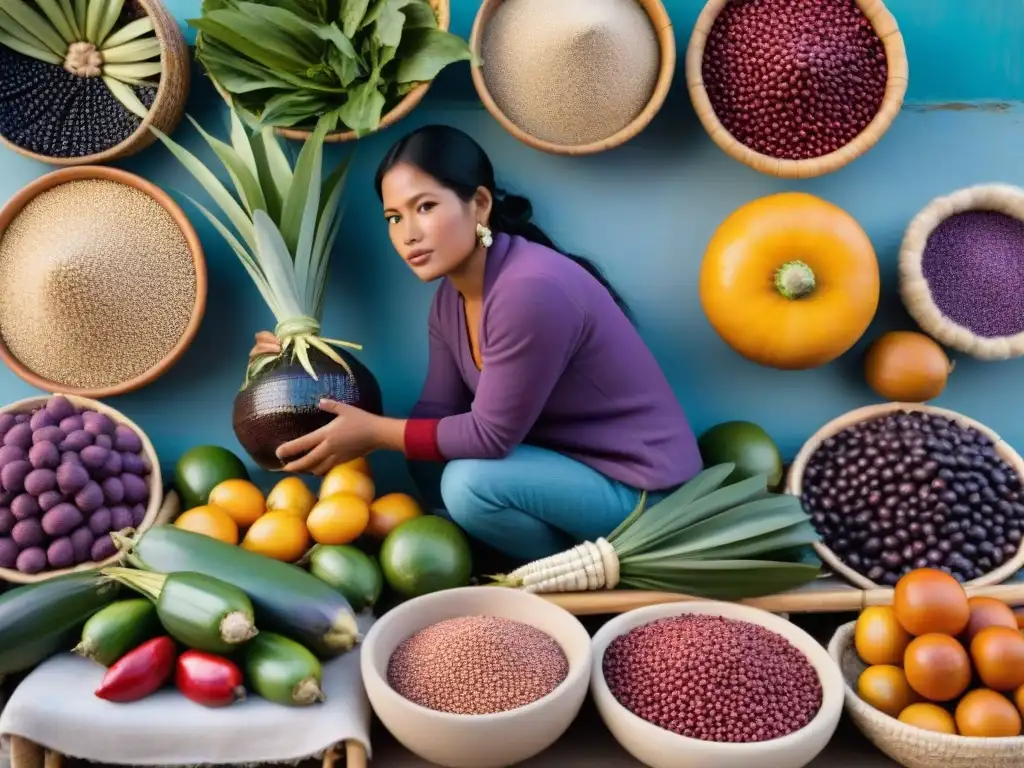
72 471
715 684
796 88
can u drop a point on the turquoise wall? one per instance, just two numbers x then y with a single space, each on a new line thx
645 212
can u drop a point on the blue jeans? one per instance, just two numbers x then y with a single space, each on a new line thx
531 504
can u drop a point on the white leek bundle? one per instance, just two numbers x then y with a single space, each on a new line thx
708 540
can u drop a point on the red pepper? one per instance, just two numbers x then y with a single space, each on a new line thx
208 679
140 672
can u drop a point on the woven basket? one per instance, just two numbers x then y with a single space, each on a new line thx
168 107
917 298
156 487
910 746
667 44
444 16
887 30
794 483
14 206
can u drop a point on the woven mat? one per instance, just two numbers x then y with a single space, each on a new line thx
55 707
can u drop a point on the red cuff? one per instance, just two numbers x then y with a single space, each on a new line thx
421 440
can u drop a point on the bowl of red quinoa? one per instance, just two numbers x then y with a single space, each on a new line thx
961 270
715 685
796 88
476 677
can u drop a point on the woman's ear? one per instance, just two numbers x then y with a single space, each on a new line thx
483 203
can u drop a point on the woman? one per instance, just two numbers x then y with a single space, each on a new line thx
547 409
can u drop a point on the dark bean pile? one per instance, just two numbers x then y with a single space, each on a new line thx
51 112
477 665
974 265
914 490
714 679
794 79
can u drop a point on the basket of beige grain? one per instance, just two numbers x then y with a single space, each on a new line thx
102 282
573 77
796 89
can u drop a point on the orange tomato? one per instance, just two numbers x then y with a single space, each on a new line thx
389 511
929 600
239 498
987 714
346 479
937 667
998 656
338 519
210 521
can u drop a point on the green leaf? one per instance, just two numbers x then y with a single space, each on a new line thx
308 34
278 167
133 71
638 510
352 13
307 173
425 52
126 96
346 68
81 12
236 74
130 31
419 15
132 52
307 228
722 579
13 29
27 49
111 13
69 13
241 142
271 195
35 25
329 217
246 184
361 113
52 10
293 107
769 546
322 273
94 13
276 263
372 12
280 57
390 21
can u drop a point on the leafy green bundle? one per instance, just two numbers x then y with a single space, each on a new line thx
288 62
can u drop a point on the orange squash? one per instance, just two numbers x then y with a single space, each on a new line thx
790 281
906 366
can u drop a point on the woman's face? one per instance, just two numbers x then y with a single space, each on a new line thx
432 229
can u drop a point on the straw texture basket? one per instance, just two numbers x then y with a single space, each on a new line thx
887 30
910 746
917 298
156 487
168 107
55 178
666 43
794 483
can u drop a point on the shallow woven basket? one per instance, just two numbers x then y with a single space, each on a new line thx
444 16
14 206
917 298
666 43
910 746
156 487
171 94
887 30
794 483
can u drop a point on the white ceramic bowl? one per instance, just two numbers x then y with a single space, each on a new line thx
659 748
476 741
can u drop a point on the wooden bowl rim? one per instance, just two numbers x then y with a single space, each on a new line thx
888 31
55 178
794 481
154 480
914 291
172 42
667 49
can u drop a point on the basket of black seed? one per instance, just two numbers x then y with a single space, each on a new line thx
899 486
84 82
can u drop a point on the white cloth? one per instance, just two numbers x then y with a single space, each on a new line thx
55 707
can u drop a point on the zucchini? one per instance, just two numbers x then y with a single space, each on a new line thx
286 598
282 671
117 629
41 619
199 611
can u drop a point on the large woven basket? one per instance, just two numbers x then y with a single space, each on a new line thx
917 298
154 480
666 43
910 746
168 107
887 30
794 483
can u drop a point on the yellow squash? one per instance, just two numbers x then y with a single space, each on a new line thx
790 281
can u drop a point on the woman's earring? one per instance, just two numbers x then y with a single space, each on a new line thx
483 234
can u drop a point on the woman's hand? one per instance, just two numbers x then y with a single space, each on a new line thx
351 434
266 344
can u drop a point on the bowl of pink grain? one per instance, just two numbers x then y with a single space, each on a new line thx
715 685
476 677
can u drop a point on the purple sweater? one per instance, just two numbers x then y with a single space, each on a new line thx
563 369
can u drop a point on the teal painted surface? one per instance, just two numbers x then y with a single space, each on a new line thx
645 212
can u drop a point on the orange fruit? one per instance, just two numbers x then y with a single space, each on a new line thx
937 667
345 479
362 464
390 511
879 638
928 717
929 600
278 535
988 714
998 656
210 521
338 519
291 495
239 498
988 612
885 688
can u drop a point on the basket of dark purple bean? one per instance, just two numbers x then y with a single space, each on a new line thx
719 685
794 88
72 471
899 486
962 270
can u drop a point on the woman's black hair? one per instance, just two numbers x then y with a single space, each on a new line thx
460 164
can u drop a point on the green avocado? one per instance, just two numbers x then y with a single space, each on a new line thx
747 446
201 469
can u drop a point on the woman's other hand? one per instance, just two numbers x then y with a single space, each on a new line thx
266 344
351 434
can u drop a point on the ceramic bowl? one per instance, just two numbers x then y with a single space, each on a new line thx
476 741
659 748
